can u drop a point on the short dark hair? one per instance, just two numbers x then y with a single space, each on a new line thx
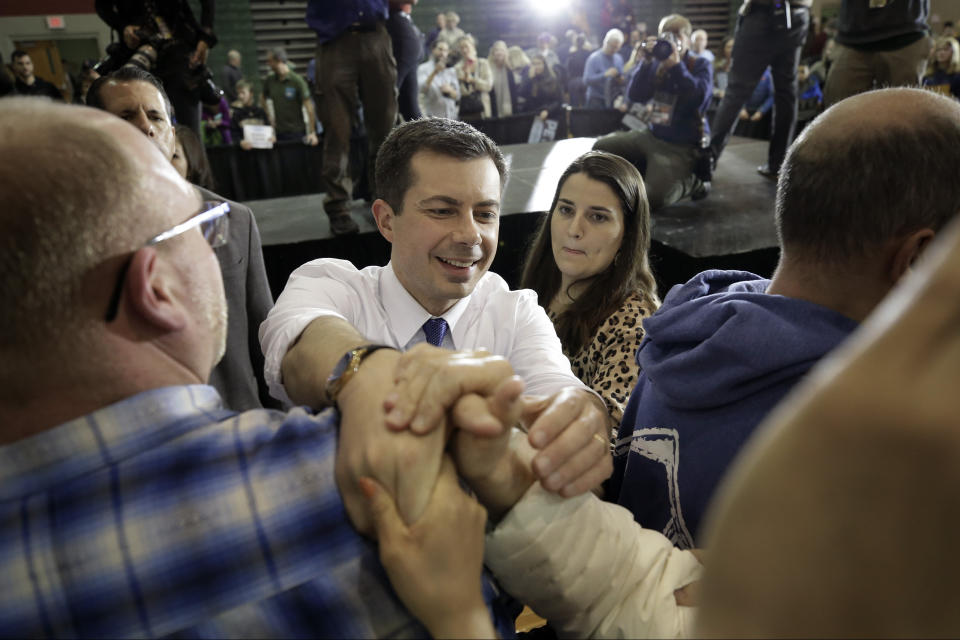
452 138
841 198
629 273
125 75
19 53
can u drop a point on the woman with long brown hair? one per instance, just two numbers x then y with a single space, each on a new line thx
588 264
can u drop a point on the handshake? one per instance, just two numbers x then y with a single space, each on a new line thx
417 426
403 412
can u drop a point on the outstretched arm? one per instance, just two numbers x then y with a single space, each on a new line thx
435 564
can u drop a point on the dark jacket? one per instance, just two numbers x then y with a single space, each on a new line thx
542 92
690 82
176 13
515 96
900 22
238 377
716 358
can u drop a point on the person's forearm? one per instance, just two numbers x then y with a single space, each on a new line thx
593 78
474 623
640 88
271 116
544 553
484 81
311 116
310 360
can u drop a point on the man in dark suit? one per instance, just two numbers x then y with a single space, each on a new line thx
138 97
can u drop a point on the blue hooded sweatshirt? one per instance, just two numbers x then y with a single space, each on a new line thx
716 358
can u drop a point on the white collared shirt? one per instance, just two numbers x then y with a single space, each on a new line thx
432 101
506 323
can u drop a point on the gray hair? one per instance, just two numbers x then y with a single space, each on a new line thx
613 34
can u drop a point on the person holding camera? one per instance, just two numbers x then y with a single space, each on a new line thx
676 87
165 39
769 33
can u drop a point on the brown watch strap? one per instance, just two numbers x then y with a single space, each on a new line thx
355 358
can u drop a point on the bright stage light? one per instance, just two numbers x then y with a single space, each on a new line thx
552 7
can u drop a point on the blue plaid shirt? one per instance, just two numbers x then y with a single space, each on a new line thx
165 514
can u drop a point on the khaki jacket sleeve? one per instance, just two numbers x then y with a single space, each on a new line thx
589 569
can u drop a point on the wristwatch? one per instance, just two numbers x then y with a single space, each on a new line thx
346 367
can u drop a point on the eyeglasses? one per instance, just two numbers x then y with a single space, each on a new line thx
214 225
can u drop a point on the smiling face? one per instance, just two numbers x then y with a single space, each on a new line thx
440 52
446 235
586 228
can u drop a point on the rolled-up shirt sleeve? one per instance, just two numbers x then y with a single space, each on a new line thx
536 354
316 289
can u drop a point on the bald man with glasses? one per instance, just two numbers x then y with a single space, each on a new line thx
132 503
138 97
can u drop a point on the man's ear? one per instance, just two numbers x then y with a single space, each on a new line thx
908 251
148 287
383 213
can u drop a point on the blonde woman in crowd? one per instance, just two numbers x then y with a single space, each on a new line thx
943 67
476 80
504 92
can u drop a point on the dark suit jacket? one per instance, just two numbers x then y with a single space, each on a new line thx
239 375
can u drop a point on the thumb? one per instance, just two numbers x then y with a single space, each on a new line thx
386 521
506 403
532 407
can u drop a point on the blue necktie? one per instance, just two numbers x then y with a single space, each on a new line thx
434 329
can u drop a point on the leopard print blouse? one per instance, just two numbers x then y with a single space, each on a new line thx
608 364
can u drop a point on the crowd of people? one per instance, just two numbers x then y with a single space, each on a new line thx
184 455
773 75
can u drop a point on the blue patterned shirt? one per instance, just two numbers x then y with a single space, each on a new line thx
165 514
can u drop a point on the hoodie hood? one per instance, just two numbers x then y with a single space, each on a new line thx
726 317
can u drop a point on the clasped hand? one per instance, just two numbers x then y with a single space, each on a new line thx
399 410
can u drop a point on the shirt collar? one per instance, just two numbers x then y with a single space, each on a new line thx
406 316
106 436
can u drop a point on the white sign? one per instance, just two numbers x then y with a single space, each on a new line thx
260 136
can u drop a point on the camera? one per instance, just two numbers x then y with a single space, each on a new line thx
664 46
197 80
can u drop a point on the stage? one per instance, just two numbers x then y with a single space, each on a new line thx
732 228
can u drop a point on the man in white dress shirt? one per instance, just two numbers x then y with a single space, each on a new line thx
439 86
440 183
